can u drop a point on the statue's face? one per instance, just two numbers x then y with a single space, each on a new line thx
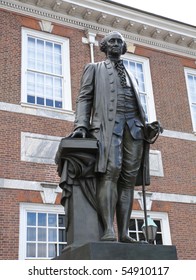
115 44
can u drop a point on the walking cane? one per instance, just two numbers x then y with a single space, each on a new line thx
144 191
152 140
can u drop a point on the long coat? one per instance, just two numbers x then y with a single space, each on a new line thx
96 105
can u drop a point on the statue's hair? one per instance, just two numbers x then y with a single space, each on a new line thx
103 43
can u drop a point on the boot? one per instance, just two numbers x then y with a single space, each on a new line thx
123 212
106 199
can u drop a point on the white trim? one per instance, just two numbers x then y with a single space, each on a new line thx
178 135
37 186
169 197
33 110
192 72
148 83
67 102
164 219
24 185
138 17
24 207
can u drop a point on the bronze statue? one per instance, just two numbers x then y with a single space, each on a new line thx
109 108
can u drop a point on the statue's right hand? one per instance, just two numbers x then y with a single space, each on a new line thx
79 132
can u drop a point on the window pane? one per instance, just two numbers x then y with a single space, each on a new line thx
41 234
49 92
52 250
140 222
49 46
49 81
31 54
57 48
52 235
52 220
62 221
31 99
40 45
40 65
49 57
139 68
125 62
49 102
57 59
31 234
58 104
31 219
158 225
41 253
133 235
62 237
40 90
57 69
159 239
31 42
132 67
40 100
132 225
141 236
31 63
31 250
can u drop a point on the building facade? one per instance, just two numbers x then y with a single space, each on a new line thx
44 46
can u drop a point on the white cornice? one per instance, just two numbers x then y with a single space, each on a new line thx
137 26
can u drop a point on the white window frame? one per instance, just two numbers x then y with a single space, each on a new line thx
66 95
148 84
164 220
190 71
33 207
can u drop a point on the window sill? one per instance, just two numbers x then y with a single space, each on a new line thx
43 111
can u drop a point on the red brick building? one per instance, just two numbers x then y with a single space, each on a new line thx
44 46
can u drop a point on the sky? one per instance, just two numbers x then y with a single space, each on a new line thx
180 10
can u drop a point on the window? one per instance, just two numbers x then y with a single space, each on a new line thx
190 75
140 68
43 234
160 219
45 70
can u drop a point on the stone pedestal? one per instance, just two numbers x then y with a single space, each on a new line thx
84 224
118 251
76 163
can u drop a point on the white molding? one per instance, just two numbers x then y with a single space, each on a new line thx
40 111
178 135
125 15
24 185
37 186
168 197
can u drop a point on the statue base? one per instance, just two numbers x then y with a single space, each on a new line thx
118 251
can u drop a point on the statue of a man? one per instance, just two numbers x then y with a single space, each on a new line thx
109 108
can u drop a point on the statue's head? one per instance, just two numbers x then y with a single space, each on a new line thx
110 37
